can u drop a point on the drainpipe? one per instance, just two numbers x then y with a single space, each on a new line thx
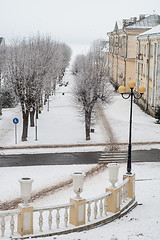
112 57
138 62
126 53
148 71
117 60
111 53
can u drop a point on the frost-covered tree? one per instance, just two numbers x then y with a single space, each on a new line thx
64 54
2 52
28 66
77 64
91 85
60 62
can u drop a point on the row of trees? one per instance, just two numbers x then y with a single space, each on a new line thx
92 86
31 68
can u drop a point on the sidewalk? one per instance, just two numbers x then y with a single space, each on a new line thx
62 129
62 126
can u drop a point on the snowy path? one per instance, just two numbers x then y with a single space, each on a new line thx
62 124
108 130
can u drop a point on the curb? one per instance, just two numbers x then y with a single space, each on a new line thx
76 145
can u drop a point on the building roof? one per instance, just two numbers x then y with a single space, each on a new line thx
152 33
146 22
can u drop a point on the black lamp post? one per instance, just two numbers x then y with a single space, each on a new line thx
134 95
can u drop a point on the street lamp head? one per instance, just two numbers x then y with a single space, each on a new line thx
141 89
121 89
132 84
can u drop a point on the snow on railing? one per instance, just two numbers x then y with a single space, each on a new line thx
54 213
51 219
123 191
57 215
11 214
100 203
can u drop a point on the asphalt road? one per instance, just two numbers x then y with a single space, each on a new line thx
70 158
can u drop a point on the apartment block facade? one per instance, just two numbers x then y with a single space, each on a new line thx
148 67
124 60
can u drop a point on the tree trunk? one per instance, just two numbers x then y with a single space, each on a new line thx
32 118
87 124
45 99
25 125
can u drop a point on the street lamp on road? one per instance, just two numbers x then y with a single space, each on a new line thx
134 95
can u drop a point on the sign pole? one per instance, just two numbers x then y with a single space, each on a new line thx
15 133
15 121
36 125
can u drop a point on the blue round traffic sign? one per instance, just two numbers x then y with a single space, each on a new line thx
15 120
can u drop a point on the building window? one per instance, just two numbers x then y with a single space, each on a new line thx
144 50
151 50
150 73
141 71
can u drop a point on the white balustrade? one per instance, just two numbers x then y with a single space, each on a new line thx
55 217
96 211
5 214
53 211
123 191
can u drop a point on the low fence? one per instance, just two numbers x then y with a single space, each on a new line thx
78 214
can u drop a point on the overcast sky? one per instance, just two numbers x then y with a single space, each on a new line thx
70 21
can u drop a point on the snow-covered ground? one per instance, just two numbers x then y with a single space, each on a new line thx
144 127
141 223
62 124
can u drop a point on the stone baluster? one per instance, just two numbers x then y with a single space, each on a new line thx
66 216
101 207
95 209
50 219
40 221
105 206
12 224
3 226
89 211
57 218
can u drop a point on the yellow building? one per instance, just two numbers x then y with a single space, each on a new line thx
123 47
148 67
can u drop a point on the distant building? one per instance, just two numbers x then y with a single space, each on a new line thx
123 47
148 67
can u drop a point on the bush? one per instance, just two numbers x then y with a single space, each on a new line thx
157 114
8 99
